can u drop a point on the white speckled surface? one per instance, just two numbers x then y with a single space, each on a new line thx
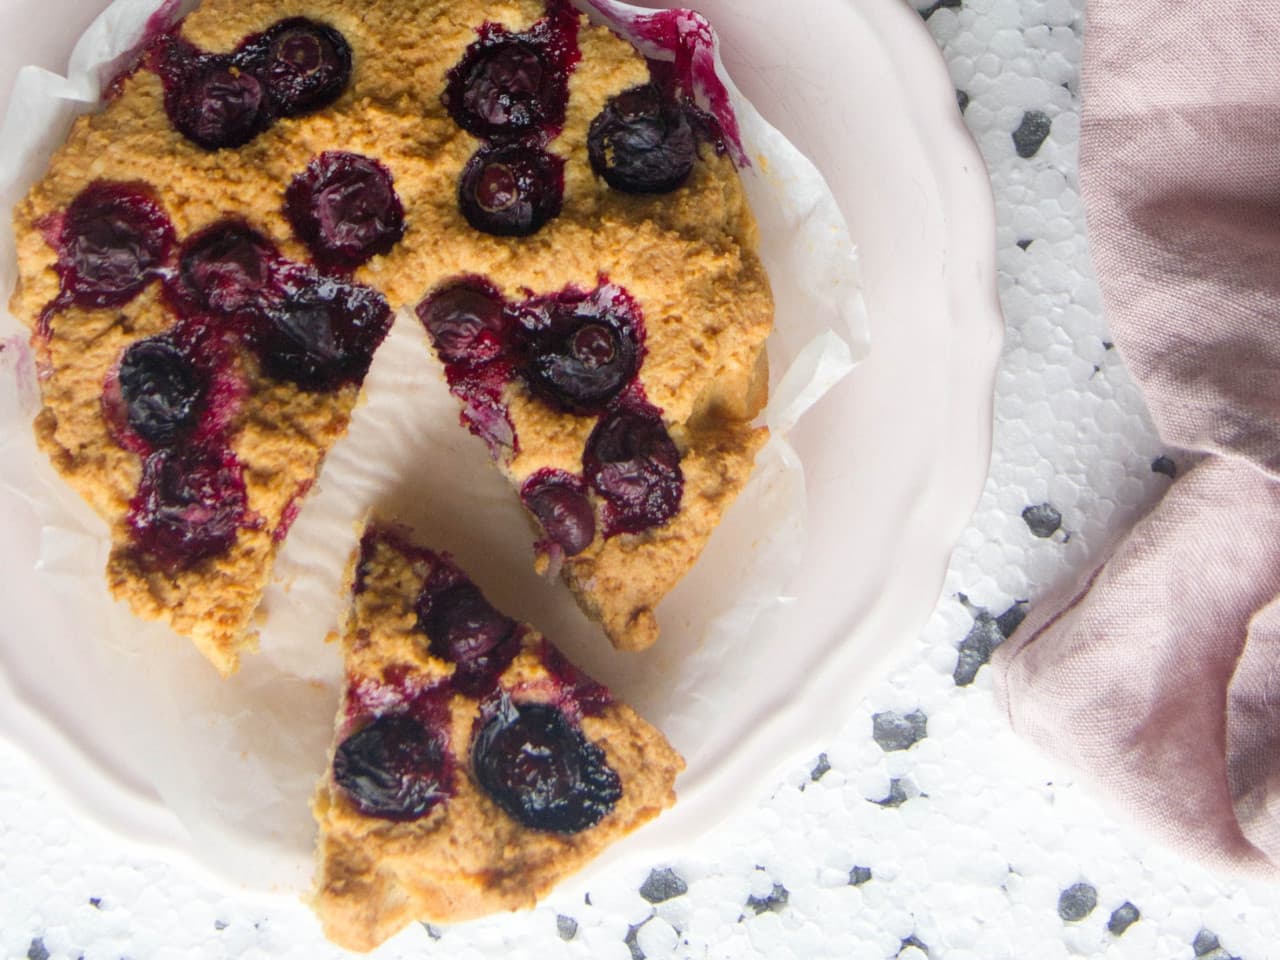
974 860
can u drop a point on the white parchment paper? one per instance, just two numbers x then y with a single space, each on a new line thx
237 760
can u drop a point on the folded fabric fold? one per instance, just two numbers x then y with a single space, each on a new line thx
1158 675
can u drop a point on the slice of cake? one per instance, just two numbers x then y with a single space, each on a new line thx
474 767
613 360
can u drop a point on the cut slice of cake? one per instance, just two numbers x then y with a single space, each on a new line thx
474 767
614 360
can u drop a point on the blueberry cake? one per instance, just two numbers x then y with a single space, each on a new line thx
213 258
474 766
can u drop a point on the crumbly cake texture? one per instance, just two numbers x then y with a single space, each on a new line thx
451 852
687 259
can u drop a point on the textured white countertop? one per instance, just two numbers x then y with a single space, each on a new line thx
925 829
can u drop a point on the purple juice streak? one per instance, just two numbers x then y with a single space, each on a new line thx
590 697
484 412
291 510
115 73
681 46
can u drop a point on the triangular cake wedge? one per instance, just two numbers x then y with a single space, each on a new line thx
474 767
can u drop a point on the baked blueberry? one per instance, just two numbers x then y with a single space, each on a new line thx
345 209
317 332
541 770
466 321
394 768
113 238
461 624
642 142
631 461
303 65
511 191
162 390
504 87
559 501
189 506
225 268
578 351
215 104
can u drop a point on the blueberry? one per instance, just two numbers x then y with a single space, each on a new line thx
632 462
560 503
303 65
577 352
345 209
162 390
319 332
225 268
394 768
216 105
189 506
113 238
542 771
511 191
466 322
461 624
642 143
504 87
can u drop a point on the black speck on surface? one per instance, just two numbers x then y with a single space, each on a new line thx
821 768
633 942
859 875
1077 902
567 927
775 901
663 885
1043 519
914 941
928 12
985 635
1164 465
1108 345
1031 133
897 795
1023 244
1207 945
37 951
1122 918
962 100
893 731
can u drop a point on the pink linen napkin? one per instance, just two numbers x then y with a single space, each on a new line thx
1158 676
